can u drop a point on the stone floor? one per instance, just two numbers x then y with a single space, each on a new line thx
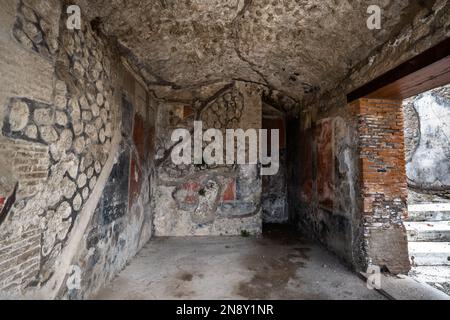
436 276
279 265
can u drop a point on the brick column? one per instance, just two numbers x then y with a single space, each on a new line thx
383 183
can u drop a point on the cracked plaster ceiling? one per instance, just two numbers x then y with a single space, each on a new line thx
296 46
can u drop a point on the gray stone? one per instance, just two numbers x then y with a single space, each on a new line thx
64 144
77 39
74 109
73 168
84 61
98 67
90 172
46 27
98 167
107 67
95 74
44 117
31 131
205 212
99 85
78 128
77 202
91 132
79 145
104 155
91 97
84 103
102 136
69 188
53 45
95 110
104 116
61 102
86 193
98 123
78 70
83 166
19 116
82 180
63 229
48 134
60 88
69 45
87 116
61 119
64 210
49 237
66 139
100 99
33 32
107 106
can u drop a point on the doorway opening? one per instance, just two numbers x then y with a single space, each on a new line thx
274 187
427 144
421 85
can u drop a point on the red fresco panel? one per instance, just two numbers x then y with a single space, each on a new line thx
325 163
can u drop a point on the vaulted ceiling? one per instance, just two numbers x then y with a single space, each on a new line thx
297 46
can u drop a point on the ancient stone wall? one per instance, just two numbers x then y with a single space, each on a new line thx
340 224
201 199
122 220
353 183
326 203
58 125
427 133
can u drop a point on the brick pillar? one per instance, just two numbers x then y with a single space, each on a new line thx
383 183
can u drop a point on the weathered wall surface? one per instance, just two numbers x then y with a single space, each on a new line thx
342 226
274 187
352 193
201 199
61 106
326 203
383 182
294 46
427 134
122 221
81 183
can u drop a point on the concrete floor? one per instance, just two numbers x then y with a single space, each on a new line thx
279 265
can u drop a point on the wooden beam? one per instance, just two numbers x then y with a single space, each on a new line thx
424 72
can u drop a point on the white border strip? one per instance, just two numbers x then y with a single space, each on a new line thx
429 207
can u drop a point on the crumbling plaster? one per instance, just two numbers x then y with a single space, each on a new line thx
58 125
201 199
187 58
295 46
428 27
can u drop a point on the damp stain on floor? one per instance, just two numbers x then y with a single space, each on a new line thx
279 265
